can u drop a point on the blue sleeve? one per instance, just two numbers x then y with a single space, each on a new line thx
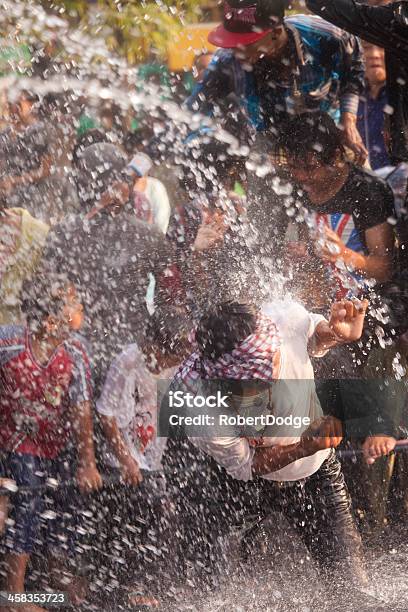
341 53
215 86
352 72
12 342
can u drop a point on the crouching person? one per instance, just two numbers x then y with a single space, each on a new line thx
45 396
263 360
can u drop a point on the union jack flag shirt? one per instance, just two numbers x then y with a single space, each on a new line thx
365 201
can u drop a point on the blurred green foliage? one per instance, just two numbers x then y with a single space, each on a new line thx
138 30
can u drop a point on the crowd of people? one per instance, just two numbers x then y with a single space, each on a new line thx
263 256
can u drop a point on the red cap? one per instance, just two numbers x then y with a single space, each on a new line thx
220 37
247 21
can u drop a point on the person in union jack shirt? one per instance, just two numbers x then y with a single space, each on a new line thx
45 397
349 211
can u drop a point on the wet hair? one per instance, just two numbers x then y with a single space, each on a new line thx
224 327
87 139
168 329
43 296
98 167
30 96
308 133
209 165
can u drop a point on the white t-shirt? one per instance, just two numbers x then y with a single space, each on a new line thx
156 193
293 394
130 396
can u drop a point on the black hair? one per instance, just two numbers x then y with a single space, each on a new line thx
168 328
209 165
310 133
224 327
87 139
137 139
30 96
98 167
43 296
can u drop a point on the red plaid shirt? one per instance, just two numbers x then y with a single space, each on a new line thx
256 357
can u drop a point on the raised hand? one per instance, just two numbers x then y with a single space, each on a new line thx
347 319
211 231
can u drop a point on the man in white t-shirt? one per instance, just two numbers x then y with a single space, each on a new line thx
264 360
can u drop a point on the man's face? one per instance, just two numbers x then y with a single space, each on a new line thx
271 46
375 64
310 172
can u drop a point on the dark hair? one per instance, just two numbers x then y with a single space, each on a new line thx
168 328
98 167
310 133
43 296
30 96
87 139
209 165
223 328
137 139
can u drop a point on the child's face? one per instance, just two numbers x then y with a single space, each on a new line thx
25 109
69 319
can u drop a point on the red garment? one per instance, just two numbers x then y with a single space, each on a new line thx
143 208
35 397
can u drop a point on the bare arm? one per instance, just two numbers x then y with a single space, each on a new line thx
322 434
273 458
380 244
115 438
377 264
11 182
88 476
345 325
130 469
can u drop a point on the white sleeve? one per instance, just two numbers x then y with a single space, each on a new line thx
314 319
112 399
161 206
233 454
